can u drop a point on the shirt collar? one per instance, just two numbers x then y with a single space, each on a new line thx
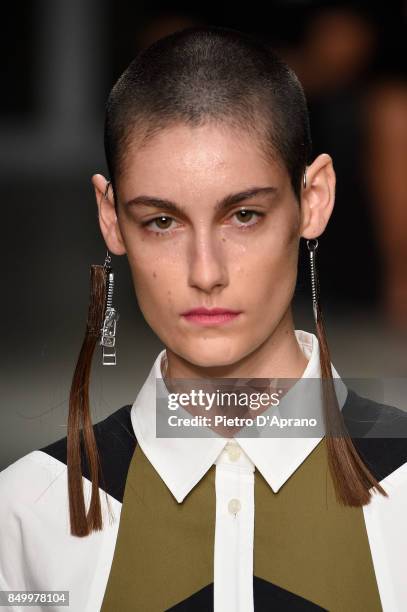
182 462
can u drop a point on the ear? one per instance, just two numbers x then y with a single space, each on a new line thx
108 222
318 197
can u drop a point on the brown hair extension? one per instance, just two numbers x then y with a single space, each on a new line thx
352 479
79 417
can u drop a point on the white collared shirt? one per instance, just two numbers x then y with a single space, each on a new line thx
37 551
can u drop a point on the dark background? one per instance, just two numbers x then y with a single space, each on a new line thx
60 60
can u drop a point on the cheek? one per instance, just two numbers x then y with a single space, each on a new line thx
151 282
271 268
154 287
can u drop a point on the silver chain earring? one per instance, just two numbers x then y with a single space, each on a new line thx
304 179
312 247
111 315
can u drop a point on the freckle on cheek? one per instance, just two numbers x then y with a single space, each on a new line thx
154 274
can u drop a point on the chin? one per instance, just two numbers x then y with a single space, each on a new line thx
207 354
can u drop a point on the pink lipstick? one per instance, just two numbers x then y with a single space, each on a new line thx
210 316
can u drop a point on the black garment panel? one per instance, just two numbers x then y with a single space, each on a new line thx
116 443
267 596
378 431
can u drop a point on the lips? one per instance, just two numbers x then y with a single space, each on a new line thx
209 311
210 316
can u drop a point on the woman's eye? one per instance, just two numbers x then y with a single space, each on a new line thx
246 215
163 222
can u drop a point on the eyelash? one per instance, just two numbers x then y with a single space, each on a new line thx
243 226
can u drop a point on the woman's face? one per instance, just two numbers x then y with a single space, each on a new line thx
205 256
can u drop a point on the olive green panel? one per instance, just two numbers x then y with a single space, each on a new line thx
308 543
164 550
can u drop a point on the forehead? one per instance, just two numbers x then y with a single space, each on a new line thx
183 161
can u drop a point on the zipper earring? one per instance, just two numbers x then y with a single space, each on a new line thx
102 316
314 277
111 316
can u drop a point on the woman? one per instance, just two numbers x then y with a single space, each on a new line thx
211 188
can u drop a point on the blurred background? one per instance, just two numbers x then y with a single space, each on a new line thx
61 60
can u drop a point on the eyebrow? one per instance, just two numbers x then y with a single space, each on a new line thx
225 203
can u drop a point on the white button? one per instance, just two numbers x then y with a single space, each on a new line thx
233 451
234 506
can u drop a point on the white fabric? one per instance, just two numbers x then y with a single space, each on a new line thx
37 551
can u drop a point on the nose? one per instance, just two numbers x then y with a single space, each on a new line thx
207 267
